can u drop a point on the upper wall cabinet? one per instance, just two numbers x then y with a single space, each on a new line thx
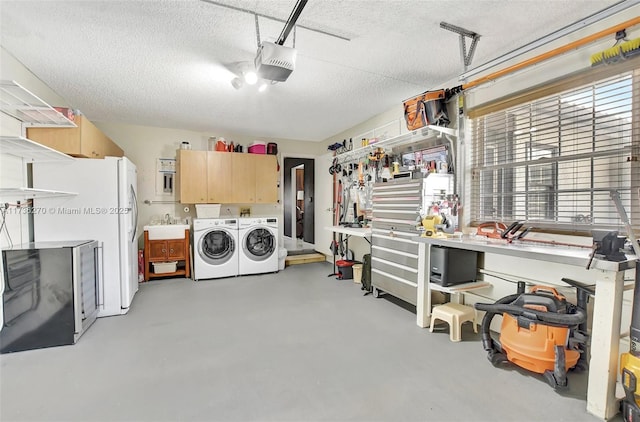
84 141
228 178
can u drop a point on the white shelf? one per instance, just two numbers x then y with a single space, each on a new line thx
30 193
459 288
20 103
29 150
405 139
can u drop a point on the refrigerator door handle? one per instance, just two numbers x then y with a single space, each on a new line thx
100 274
134 207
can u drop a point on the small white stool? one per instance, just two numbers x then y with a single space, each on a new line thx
455 314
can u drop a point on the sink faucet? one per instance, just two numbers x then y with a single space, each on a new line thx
167 219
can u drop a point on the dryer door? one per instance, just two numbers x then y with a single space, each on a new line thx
259 244
216 246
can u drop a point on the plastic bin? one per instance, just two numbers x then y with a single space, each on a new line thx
165 267
357 273
208 210
258 147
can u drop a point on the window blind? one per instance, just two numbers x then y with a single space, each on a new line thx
554 161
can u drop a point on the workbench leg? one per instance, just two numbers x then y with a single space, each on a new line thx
423 306
605 345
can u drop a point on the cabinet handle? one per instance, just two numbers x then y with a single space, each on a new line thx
164 250
170 250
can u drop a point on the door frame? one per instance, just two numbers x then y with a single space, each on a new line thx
310 204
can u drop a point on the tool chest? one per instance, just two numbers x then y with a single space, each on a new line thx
394 256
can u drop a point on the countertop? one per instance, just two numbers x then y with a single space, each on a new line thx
49 245
550 253
352 231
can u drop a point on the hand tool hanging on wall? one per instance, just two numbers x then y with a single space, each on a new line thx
339 202
622 49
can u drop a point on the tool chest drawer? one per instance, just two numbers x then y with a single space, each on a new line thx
397 203
399 288
394 240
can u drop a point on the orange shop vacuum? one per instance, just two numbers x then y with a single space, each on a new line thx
541 332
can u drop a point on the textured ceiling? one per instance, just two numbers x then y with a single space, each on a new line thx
165 63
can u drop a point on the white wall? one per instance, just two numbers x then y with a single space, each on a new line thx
144 145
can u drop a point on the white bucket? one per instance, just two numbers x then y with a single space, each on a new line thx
282 256
357 273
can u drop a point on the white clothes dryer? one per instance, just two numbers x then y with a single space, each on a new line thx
216 248
259 245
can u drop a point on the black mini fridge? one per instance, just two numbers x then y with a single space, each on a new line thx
50 294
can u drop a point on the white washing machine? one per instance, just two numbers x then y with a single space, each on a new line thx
215 248
258 245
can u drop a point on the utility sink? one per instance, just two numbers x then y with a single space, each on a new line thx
166 231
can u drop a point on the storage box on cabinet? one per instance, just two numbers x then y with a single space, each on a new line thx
222 177
85 140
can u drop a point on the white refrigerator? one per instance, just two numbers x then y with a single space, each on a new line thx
104 209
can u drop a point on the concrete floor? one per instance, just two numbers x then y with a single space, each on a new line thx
291 346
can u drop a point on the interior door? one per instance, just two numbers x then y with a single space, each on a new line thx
289 198
324 204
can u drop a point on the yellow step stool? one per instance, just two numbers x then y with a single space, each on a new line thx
455 314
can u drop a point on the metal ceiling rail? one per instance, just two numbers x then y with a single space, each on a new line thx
596 17
251 12
555 52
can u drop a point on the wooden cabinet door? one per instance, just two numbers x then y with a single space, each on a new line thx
192 175
244 178
175 249
65 140
219 178
85 140
266 179
157 250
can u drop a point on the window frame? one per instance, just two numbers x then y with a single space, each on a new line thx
500 179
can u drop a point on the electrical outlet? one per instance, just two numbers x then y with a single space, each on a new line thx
245 212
